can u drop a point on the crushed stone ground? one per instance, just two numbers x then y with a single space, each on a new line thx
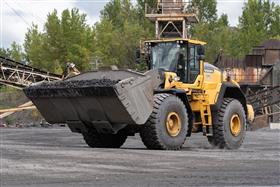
56 157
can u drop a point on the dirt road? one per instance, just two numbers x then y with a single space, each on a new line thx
58 158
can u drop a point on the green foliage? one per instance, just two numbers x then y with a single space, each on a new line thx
33 46
106 42
118 11
214 31
259 21
15 52
9 120
119 32
4 52
252 24
276 37
143 21
64 39
275 21
8 89
223 20
207 10
217 38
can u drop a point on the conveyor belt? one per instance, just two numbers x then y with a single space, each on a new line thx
266 102
19 75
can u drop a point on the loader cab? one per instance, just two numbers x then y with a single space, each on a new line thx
182 57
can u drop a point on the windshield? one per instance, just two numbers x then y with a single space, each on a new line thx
165 55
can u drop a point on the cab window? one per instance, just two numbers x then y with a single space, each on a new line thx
194 64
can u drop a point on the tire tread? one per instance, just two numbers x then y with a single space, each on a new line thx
148 133
97 140
218 138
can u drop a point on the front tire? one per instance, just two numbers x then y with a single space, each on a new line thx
229 131
167 127
97 140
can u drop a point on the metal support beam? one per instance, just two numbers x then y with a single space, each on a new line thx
157 29
19 75
7 112
184 29
170 13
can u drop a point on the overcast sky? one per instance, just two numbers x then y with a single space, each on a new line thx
18 15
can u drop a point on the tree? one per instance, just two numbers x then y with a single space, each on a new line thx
223 20
16 52
207 10
65 39
211 29
275 21
252 25
260 21
106 38
147 25
5 53
33 47
75 39
119 33
119 11
53 41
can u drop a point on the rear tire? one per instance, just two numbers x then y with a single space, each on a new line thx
229 132
167 127
97 140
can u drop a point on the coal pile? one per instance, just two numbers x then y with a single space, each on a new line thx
72 88
77 83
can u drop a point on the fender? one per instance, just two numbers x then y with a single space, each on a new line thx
231 90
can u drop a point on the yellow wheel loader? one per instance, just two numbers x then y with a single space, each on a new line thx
178 96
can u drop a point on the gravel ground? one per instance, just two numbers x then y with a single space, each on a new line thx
58 158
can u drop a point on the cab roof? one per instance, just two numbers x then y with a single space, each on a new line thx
177 39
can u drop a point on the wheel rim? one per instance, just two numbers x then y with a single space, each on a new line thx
235 125
173 124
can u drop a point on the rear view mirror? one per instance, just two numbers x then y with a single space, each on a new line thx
201 50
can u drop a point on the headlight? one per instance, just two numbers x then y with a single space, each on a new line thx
177 79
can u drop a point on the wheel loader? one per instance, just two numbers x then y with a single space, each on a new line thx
179 95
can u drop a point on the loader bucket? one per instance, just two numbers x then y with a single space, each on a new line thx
106 97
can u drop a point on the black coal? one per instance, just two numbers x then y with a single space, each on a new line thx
72 88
